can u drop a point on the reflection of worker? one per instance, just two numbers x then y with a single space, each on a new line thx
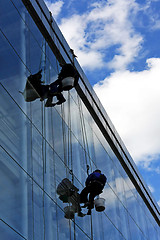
68 70
55 88
95 183
35 89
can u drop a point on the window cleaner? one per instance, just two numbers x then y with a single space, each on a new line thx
95 183
34 88
68 193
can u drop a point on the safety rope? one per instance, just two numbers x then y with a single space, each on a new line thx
54 170
43 167
85 143
31 133
70 160
44 141
64 138
31 144
84 135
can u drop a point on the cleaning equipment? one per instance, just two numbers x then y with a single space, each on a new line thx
67 83
99 204
69 212
68 77
68 193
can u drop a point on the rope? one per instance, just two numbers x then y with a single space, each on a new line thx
42 53
70 159
43 159
84 135
102 227
31 145
64 137
54 171
85 142
91 227
32 171
44 142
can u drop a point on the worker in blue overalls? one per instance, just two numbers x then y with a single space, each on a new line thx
95 183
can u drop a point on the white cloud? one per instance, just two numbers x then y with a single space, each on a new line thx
106 24
132 100
55 8
148 163
156 25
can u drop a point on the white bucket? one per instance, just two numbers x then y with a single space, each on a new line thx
99 204
69 212
67 83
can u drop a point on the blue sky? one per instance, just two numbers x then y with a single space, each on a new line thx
117 44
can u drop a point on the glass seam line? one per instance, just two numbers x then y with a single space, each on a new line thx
13 229
14 49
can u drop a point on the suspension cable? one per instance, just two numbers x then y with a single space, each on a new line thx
44 142
31 133
84 134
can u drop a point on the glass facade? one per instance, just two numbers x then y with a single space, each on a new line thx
40 146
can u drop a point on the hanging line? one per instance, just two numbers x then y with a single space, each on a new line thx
44 109
70 165
44 142
53 144
31 133
70 158
54 171
64 138
43 166
42 53
81 123
85 142
91 227
53 147
84 135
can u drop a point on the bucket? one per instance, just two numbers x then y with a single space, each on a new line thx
69 212
99 204
67 83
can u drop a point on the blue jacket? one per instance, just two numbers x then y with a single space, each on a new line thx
96 176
